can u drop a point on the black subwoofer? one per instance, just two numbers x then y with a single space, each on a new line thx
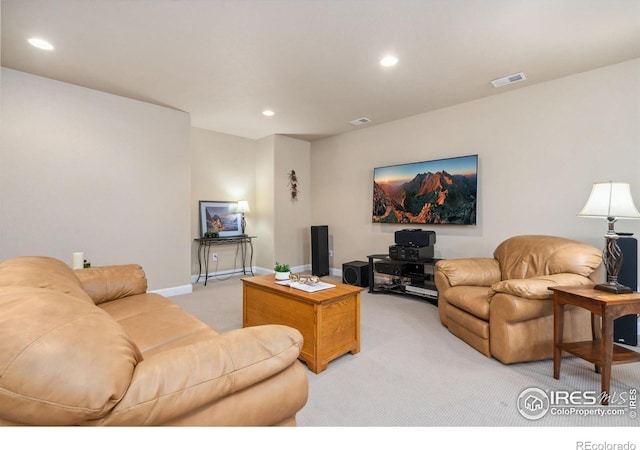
356 273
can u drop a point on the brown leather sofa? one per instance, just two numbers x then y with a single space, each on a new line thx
94 348
502 307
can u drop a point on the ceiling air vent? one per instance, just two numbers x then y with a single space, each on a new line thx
360 121
509 80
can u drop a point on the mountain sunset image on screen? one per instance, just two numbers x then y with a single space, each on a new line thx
440 191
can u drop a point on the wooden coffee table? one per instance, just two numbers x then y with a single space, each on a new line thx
329 320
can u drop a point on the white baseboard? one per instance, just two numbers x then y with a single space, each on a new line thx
260 271
305 268
187 289
176 290
227 273
297 269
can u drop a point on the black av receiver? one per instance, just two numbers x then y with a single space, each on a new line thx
408 253
390 267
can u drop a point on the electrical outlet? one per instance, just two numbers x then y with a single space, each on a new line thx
214 257
330 252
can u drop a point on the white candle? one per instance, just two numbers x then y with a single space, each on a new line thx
78 260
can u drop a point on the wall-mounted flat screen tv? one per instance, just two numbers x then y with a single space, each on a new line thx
443 191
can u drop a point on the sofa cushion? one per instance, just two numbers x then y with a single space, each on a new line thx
153 321
470 271
537 288
62 360
534 256
42 272
112 282
175 380
136 304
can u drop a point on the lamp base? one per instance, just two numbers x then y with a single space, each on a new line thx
614 288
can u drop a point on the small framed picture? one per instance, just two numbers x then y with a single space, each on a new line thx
220 217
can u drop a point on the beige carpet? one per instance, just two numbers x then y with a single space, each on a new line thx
411 372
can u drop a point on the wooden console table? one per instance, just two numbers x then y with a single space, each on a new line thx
204 248
601 350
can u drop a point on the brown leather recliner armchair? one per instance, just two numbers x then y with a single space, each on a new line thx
502 306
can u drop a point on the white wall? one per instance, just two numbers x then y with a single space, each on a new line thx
283 225
292 229
231 168
81 170
540 150
265 201
222 169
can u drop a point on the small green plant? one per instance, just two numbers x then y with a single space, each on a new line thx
211 234
281 267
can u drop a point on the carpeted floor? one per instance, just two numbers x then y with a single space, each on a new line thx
411 372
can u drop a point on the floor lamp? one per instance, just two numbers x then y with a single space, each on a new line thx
612 201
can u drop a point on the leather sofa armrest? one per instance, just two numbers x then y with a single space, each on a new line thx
172 383
470 271
108 283
537 288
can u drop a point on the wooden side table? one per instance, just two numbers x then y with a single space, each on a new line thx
601 351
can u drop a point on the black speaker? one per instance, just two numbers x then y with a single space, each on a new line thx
356 273
320 250
625 328
415 237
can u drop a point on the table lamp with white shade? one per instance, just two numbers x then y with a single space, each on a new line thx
243 207
612 201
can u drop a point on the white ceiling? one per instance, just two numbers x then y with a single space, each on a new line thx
314 62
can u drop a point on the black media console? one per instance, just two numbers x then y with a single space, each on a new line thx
409 267
414 278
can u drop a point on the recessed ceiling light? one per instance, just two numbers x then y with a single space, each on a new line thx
41 44
389 61
268 113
